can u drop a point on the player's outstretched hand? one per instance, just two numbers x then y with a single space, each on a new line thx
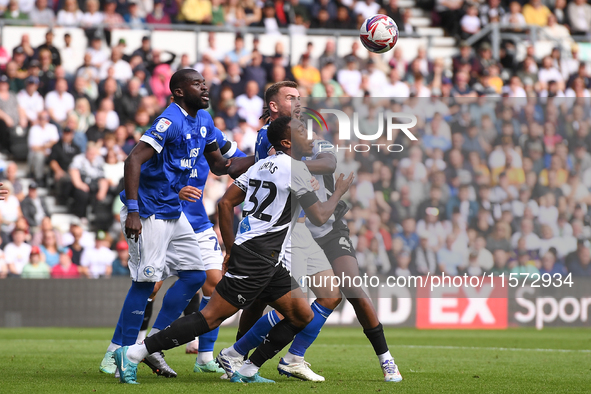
190 193
133 226
2 193
342 185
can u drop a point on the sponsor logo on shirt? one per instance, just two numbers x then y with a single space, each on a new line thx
163 125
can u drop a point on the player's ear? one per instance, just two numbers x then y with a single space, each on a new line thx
273 106
178 92
286 144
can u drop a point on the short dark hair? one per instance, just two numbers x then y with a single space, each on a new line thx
179 78
273 90
278 131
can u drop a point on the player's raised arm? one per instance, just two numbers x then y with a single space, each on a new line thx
324 164
233 196
320 212
239 166
217 163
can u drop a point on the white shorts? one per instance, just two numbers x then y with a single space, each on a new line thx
148 257
303 255
211 253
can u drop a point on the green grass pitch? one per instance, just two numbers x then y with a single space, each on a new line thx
60 360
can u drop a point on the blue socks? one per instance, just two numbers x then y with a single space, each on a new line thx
178 297
207 341
304 339
132 313
256 334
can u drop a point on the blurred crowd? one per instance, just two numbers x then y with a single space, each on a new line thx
498 180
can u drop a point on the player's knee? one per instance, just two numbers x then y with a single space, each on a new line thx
331 302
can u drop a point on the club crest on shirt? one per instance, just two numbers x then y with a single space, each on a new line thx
163 125
203 131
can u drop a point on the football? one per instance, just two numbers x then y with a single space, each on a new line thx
379 33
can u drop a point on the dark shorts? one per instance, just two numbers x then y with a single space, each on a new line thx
251 277
337 243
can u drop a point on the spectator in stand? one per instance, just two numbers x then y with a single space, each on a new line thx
41 15
10 175
133 17
30 100
42 137
305 74
470 22
59 102
36 268
579 16
160 82
60 158
144 51
536 13
196 11
493 10
10 210
65 269
56 59
13 12
87 174
158 16
111 18
121 69
514 17
34 208
91 18
250 105
11 114
50 249
120 264
366 8
17 253
128 104
97 262
70 16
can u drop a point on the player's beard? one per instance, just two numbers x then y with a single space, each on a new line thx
197 103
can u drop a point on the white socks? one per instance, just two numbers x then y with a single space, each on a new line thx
248 369
384 357
204 357
112 347
293 359
153 331
141 336
136 353
232 352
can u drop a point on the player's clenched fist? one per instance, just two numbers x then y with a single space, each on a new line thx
190 193
342 185
133 225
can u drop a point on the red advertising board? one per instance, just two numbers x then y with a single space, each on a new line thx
467 307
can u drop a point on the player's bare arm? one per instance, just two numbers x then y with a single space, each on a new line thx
320 212
239 166
324 164
233 196
217 163
133 164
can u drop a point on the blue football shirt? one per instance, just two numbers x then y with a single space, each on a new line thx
195 211
168 171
